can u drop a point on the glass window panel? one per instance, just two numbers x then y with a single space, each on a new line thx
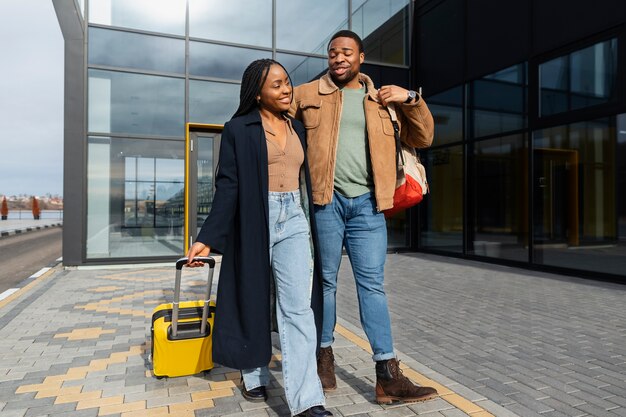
221 61
135 103
134 50
236 21
145 169
302 69
212 102
593 74
442 209
581 79
384 27
166 16
323 19
447 111
498 102
499 196
130 216
575 197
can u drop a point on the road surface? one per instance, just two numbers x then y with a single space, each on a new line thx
22 255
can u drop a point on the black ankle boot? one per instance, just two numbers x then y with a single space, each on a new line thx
255 395
317 411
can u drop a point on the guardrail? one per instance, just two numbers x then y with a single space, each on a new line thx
28 214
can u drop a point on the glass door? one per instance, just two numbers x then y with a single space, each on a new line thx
203 143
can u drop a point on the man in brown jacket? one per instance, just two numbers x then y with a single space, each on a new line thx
352 158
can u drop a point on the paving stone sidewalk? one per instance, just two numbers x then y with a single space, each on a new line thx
77 343
537 344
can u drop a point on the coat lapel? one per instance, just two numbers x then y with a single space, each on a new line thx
257 136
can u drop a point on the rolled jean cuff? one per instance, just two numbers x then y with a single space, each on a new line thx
383 356
326 344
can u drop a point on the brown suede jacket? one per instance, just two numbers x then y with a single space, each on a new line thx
318 105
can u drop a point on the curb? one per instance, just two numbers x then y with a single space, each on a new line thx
6 233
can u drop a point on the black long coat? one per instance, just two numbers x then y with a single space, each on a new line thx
237 227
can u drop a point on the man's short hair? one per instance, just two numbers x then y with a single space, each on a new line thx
347 34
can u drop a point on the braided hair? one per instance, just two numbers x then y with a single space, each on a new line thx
251 83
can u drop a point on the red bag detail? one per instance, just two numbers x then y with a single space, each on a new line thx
406 196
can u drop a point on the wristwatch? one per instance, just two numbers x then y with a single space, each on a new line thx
411 96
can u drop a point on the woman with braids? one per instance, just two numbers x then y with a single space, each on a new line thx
261 221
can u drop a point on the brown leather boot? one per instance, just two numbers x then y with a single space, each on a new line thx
393 386
326 369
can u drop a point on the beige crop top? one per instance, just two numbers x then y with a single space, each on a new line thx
284 164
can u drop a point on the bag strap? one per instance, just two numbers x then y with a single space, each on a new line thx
396 132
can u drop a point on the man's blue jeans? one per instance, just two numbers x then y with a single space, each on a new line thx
356 224
292 267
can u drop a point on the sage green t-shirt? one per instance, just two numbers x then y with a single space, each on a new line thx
353 171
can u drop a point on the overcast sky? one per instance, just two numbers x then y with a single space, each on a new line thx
31 98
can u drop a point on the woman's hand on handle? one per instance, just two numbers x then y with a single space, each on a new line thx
197 249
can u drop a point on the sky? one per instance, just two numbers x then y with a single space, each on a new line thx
31 99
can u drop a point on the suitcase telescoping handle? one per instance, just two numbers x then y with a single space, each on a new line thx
205 309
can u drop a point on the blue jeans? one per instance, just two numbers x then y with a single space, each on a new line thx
292 267
356 224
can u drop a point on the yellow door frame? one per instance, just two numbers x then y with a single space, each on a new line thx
189 147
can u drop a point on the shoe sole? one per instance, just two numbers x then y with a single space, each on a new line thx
391 400
253 399
329 389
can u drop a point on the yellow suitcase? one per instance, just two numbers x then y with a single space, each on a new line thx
182 332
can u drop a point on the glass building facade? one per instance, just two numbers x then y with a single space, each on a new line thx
152 67
527 166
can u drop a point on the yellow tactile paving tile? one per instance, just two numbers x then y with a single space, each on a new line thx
110 288
121 408
209 395
58 392
102 306
100 402
424 381
217 385
148 412
137 276
77 398
482 413
83 334
363 344
175 409
463 404
445 393
45 386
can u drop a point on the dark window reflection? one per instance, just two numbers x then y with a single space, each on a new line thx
212 102
576 210
498 102
135 192
136 51
221 61
237 21
383 26
133 103
302 69
499 198
442 209
447 111
581 79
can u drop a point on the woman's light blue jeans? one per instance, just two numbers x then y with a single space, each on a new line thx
356 224
292 267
